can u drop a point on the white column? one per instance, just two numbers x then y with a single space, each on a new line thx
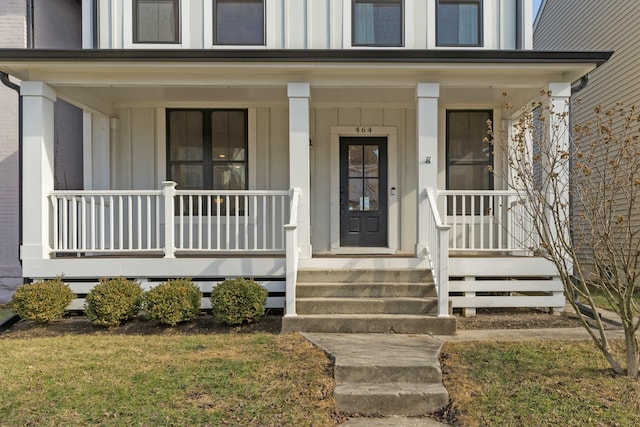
299 160
558 132
427 157
38 168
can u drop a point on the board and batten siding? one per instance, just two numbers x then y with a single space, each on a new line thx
322 119
308 24
596 25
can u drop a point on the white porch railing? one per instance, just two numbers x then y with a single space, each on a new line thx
169 221
107 221
486 221
438 241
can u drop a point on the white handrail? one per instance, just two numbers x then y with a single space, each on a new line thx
291 230
438 241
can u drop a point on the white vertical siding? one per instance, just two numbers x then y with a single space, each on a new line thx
313 24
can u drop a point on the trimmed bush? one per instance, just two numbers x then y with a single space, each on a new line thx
42 302
236 301
113 301
173 302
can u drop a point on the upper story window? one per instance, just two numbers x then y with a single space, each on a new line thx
377 22
459 23
238 22
156 21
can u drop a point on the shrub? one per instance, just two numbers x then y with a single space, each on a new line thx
113 301
236 301
42 301
173 301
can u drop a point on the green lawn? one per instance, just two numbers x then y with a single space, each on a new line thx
537 384
198 380
5 313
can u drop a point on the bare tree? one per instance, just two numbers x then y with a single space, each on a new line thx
579 186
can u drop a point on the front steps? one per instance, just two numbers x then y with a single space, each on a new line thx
385 375
399 301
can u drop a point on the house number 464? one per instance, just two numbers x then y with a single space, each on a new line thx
363 129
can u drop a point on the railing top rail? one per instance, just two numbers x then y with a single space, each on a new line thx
232 192
105 193
477 193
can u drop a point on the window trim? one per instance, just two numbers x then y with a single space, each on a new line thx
269 28
128 28
207 163
352 22
447 139
481 14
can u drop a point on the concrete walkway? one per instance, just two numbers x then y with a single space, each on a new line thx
397 350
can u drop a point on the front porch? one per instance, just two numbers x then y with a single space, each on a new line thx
304 130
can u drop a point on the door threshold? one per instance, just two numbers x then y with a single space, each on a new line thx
360 250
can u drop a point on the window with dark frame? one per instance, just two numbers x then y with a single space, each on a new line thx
459 23
238 22
377 23
469 155
207 150
156 21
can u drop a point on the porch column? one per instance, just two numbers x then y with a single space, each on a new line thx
427 156
299 169
558 132
38 168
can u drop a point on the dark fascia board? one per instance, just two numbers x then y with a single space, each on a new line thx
310 55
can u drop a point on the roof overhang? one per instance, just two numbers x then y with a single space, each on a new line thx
126 76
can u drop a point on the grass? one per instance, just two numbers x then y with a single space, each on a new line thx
534 384
601 301
5 313
205 380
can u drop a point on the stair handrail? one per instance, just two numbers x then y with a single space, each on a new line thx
438 253
292 253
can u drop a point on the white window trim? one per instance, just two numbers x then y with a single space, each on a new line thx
407 27
162 140
488 41
393 229
185 27
269 28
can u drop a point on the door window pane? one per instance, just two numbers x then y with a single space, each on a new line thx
229 135
238 22
459 22
188 176
377 23
185 135
156 21
371 193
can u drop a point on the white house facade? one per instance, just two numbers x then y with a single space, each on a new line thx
278 139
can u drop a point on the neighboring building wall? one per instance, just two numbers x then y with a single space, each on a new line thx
596 25
12 34
58 25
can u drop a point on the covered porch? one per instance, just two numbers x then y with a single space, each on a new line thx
132 217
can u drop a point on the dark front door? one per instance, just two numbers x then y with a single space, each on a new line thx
363 191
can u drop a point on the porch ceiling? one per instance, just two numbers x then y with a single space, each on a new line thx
104 79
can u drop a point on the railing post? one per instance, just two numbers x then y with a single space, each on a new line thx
443 270
169 192
292 254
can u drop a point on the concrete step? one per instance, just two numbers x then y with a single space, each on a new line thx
365 276
370 323
354 290
367 305
376 373
391 399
